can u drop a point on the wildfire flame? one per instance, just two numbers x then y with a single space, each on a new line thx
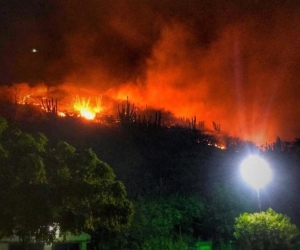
82 105
86 107
70 100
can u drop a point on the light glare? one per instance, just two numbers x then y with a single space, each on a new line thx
256 172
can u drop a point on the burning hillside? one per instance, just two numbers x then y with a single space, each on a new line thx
72 101
63 100
232 62
67 100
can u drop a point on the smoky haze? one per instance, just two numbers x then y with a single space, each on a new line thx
233 62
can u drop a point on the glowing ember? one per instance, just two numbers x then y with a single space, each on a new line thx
61 114
216 145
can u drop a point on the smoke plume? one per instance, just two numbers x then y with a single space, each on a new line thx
233 62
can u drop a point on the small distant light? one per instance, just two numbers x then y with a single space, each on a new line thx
34 50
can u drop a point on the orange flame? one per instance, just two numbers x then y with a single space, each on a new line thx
82 105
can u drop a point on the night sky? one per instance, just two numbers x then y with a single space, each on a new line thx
233 62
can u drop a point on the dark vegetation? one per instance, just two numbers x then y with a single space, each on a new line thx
54 185
184 188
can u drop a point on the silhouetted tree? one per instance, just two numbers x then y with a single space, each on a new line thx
49 185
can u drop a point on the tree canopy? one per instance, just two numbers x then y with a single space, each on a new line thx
48 186
166 221
265 230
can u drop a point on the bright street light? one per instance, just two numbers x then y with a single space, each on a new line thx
256 172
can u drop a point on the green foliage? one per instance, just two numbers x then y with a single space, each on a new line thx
46 185
165 221
224 203
87 188
165 243
265 231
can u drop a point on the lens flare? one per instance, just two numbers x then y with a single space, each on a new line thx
256 172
